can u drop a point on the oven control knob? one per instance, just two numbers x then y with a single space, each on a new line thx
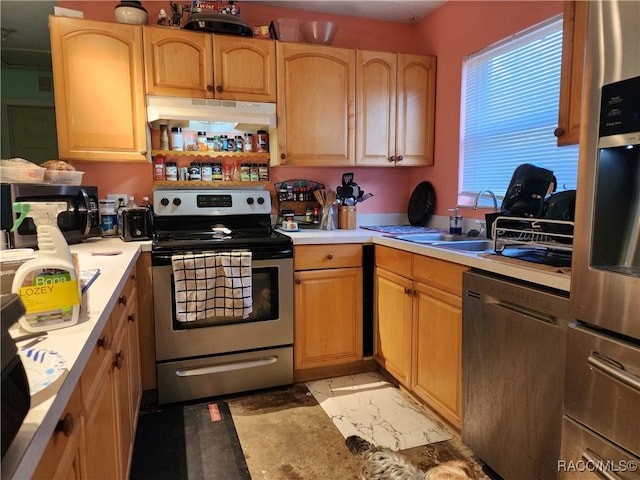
250 200
177 201
164 201
260 200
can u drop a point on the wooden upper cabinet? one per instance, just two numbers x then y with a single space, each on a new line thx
316 105
99 90
574 35
395 108
244 68
415 104
178 63
376 107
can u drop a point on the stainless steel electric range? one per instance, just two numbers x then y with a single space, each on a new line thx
203 346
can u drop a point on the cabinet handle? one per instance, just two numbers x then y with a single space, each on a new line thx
407 291
329 256
65 425
219 88
558 132
400 158
209 88
392 158
103 342
283 156
123 300
131 317
119 360
298 281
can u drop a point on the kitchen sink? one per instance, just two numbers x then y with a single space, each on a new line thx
466 245
432 237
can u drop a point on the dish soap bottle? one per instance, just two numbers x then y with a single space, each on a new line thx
48 285
455 222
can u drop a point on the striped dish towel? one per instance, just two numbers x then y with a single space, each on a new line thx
216 284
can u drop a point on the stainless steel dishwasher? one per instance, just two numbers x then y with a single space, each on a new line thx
513 368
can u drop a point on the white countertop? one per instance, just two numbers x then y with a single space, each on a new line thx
529 272
75 345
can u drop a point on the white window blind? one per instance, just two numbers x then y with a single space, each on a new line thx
510 98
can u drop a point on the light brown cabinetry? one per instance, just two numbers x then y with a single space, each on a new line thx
395 109
418 326
316 105
574 35
98 443
99 90
328 305
180 63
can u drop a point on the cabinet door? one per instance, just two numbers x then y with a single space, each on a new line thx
328 315
574 35
376 108
415 123
101 447
438 351
393 324
121 367
178 63
244 68
99 90
316 105
62 459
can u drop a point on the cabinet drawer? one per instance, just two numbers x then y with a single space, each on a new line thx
312 257
394 260
601 387
440 274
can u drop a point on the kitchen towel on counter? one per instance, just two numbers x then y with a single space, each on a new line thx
367 405
216 284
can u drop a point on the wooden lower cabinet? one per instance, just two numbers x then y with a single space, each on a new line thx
418 326
328 305
98 444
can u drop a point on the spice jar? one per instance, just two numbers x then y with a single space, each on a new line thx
263 141
164 137
171 171
206 172
177 142
263 173
245 172
194 171
158 168
248 142
201 141
254 173
217 171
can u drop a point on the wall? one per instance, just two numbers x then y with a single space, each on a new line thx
453 31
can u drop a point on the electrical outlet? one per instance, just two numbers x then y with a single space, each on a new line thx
117 196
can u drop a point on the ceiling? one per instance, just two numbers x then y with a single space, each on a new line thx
25 38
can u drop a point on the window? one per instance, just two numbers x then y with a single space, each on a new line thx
510 110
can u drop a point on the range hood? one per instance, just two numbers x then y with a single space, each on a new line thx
242 114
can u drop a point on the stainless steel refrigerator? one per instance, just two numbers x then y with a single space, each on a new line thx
601 425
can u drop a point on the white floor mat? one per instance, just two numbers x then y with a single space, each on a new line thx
368 406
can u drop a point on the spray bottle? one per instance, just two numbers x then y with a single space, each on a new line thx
48 285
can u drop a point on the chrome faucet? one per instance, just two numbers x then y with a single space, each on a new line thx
493 197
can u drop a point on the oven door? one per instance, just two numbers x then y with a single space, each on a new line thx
270 324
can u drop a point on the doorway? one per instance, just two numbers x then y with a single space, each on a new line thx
31 133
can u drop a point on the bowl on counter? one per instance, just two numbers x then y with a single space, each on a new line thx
320 32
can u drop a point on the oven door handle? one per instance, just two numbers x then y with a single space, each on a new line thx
226 367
